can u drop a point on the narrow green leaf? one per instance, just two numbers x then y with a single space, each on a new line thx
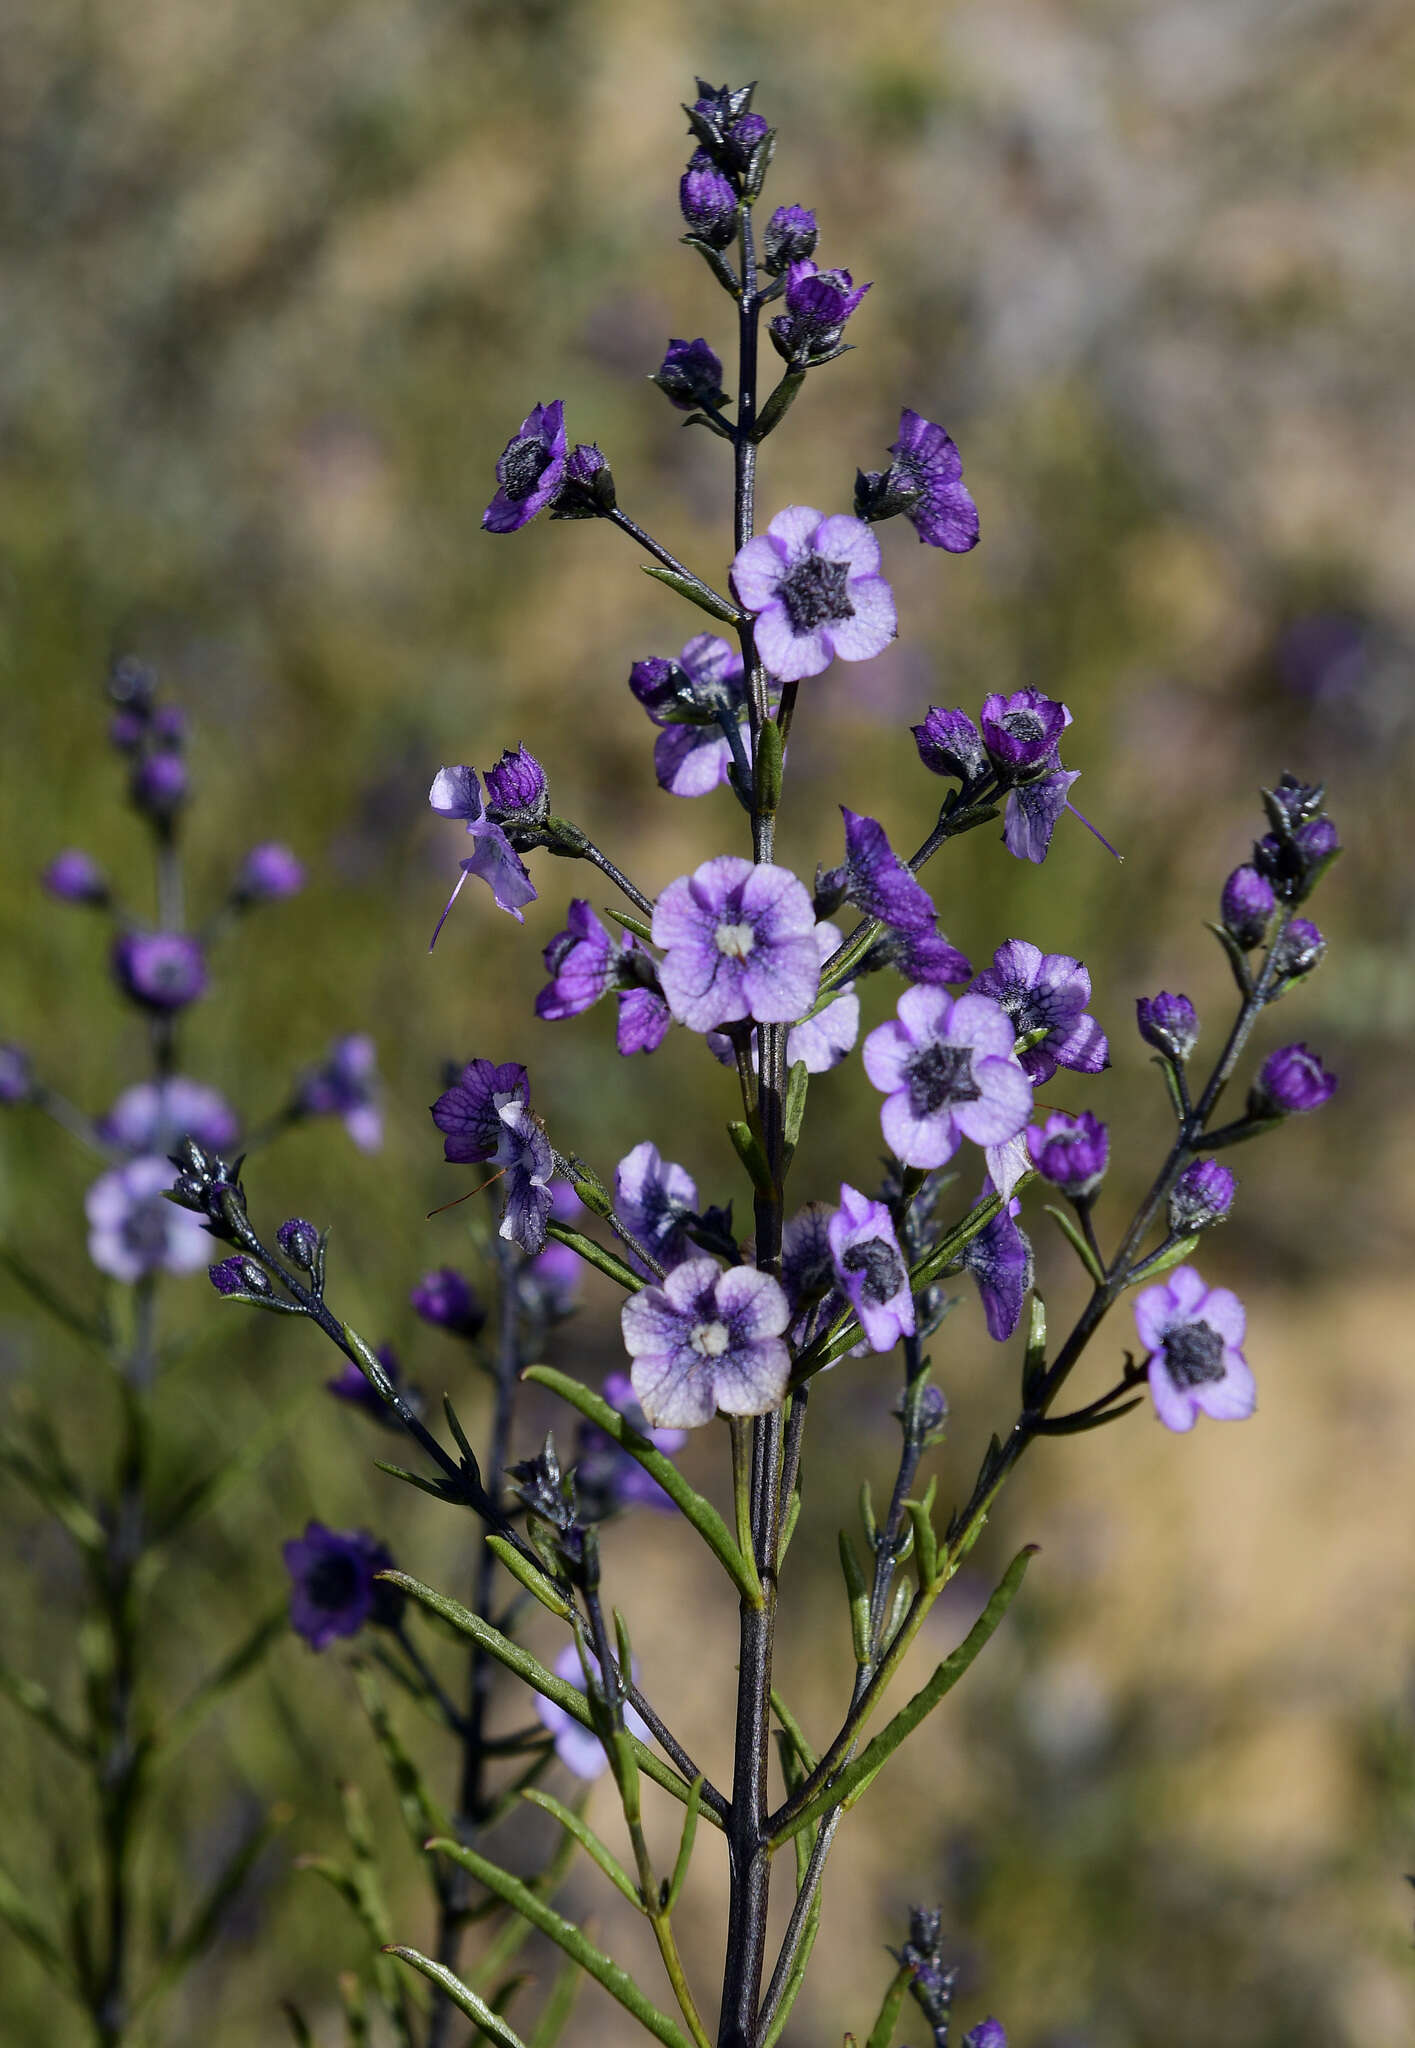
31 1698
517 1931
24 1923
529 1669
797 1976
1034 1364
1237 960
794 1731
438 1488
748 1147
535 1582
858 1593
617 1982
462 1996
797 1082
925 1540
851 1780
633 924
371 1908
669 1897
696 593
766 768
788 1523
297 2023
1077 1242
882 2032
214 1688
595 1255
54 1493
558 2006
934 1263
1174 1255
422 1816
590 1842
700 1512
334 1875
779 403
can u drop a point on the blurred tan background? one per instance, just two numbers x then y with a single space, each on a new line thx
280 281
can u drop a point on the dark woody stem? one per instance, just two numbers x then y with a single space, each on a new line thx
570 840
724 606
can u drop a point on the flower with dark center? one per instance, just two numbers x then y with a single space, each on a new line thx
1291 1080
346 1086
815 587
74 878
164 971
134 1230
485 1119
737 941
655 1200
1193 1336
1201 1197
529 470
456 793
707 1340
1021 732
1071 1152
690 698
1046 991
154 1116
948 1072
870 1270
333 1588
1169 1023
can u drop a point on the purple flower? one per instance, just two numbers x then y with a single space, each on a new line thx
708 201
738 941
1033 809
1071 1152
1000 1260
690 377
606 1477
154 1116
586 961
578 1747
134 1230
346 1086
927 472
789 237
516 791
808 1272
1297 950
1293 1079
529 471
948 1072
987 2034
920 956
333 1591
818 304
655 1200
587 489
164 971
689 698
455 793
269 873
1247 906
815 586
1202 1196
16 1080
876 880
300 1242
707 1340
447 1301
950 744
484 1118
75 878
1021 732
822 1041
1192 1334
1169 1023
644 1018
239 1276
158 785
870 1268
1046 991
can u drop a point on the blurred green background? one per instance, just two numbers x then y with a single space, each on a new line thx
280 281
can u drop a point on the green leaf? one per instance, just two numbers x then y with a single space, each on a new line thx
55 1490
778 405
558 2006
1174 1255
925 1540
766 768
24 1923
462 1996
858 1593
214 1688
793 1730
617 1982
205 1924
530 1670
842 1789
700 1512
371 1909
32 1699
595 1255
297 2023
590 1842
668 1898
797 1082
696 593
1071 1232
1034 1364
882 2032
517 1931
535 1582
422 1816
632 924
748 1147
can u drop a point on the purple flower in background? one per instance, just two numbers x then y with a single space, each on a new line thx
164 971
1247 906
1293 1079
1193 1335
1046 991
529 471
950 744
606 1477
707 1340
738 941
158 784
549 1287
789 237
1202 1196
818 304
948 1072
1071 1152
333 1591
1169 1023
708 201
269 873
455 793
870 1268
654 1199
877 881
517 794
154 1116
1000 1260
75 878
690 377
134 1230
448 1301
578 1747
928 465
346 1086
987 2034
815 586
16 1080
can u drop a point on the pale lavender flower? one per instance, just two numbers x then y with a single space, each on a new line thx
1193 1335
644 1018
1046 991
529 470
135 1231
948 1072
654 1199
707 1340
816 588
456 793
346 1086
821 1042
689 698
738 941
154 1116
988 2033
578 1747
870 1268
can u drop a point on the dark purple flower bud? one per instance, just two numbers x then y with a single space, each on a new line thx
1247 906
931 1981
743 138
1295 801
333 1589
818 304
708 202
988 2033
950 744
269 873
1298 950
346 1086
1292 1079
74 878
299 1240
447 1301
660 686
529 471
1295 863
1071 1152
690 376
1021 732
1317 841
517 796
16 1080
789 237
1169 1023
164 971
716 109
1202 1195
133 685
587 489
242 1276
127 731
169 727
158 785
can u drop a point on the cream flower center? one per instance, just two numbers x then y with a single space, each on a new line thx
735 941
709 1340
